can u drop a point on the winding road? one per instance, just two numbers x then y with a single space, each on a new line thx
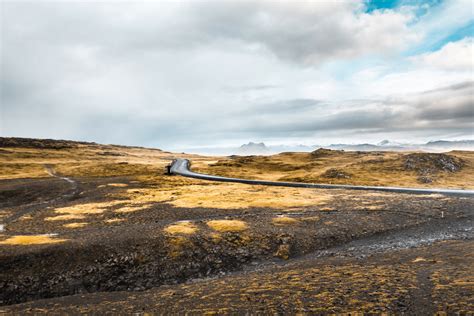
181 167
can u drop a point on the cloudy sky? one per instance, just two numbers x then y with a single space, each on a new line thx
184 74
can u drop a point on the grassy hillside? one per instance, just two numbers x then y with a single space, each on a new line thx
451 170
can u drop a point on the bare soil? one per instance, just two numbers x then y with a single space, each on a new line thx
141 242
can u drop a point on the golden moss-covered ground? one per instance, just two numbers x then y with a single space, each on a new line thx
361 168
186 228
30 240
387 283
118 199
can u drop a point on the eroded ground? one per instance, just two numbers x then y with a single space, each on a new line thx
86 218
428 280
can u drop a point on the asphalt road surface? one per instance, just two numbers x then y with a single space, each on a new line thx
181 167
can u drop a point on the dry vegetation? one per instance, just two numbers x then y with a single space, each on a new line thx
82 160
225 226
31 240
64 217
146 185
332 286
75 225
186 228
451 170
146 225
88 208
284 220
113 220
224 196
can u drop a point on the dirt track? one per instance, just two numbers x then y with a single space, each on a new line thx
39 203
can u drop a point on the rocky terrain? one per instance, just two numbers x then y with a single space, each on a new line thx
414 169
90 228
17 142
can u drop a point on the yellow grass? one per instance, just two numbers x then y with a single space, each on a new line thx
82 160
371 168
326 209
232 196
66 217
463 283
31 240
129 209
227 196
80 210
369 207
186 228
368 168
216 237
284 220
310 218
75 225
178 245
145 168
113 220
227 225
88 208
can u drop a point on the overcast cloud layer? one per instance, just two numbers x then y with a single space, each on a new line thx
220 73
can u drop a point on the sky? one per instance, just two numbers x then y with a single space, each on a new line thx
191 74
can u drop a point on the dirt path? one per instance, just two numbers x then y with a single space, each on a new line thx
31 207
50 170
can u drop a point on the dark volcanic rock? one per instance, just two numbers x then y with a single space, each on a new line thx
427 165
39 143
424 162
334 173
111 153
323 152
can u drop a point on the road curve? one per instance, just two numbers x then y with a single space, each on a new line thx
181 167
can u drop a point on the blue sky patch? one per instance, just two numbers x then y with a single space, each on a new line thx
459 34
372 5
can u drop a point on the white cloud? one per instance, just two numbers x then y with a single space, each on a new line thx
443 20
157 73
452 56
305 32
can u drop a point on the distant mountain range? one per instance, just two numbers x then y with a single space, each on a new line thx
253 148
461 144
